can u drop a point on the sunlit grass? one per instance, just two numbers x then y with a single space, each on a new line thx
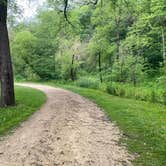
27 102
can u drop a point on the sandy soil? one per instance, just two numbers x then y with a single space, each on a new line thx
68 130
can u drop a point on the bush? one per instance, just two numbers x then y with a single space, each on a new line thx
150 92
111 89
153 96
88 82
120 91
161 81
164 97
138 93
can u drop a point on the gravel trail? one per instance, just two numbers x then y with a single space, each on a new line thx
68 130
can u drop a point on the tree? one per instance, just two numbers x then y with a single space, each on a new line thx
6 71
23 49
158 18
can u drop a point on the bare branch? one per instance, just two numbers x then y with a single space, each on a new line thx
65 12
88 2
66 3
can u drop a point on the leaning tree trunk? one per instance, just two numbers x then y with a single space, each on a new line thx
6 71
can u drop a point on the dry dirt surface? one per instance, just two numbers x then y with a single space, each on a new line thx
68 130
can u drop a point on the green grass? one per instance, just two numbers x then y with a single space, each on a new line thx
28 101
143 124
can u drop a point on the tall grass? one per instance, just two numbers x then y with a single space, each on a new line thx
151 94
88 82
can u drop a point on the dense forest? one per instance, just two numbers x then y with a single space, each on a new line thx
118 46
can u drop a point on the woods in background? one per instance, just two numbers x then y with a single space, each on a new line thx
111 42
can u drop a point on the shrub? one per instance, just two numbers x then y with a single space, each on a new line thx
120 91
88 82
138 93
164 97
111 89
153 96
161 81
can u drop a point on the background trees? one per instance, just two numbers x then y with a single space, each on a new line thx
123 33
112 36
110 42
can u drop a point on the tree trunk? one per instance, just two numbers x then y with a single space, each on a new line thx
163 43
134 78
72 69
118 44
6 71
100 69
118 40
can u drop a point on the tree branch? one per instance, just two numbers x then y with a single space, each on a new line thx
65 12
89 3
66 3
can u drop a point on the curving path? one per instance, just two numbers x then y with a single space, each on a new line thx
68 130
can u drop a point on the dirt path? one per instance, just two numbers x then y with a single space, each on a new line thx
69 130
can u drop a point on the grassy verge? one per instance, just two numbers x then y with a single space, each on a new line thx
28 101
143 124
151 92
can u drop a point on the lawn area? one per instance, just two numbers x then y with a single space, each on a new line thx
28 101
142 123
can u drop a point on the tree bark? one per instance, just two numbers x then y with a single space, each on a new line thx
100 68
6 71
118 40
72 69
163 43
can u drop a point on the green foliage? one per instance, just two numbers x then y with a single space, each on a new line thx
28 101
129 36
153 96
128 69
164 97
150 94
88 82
34 49
23 47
